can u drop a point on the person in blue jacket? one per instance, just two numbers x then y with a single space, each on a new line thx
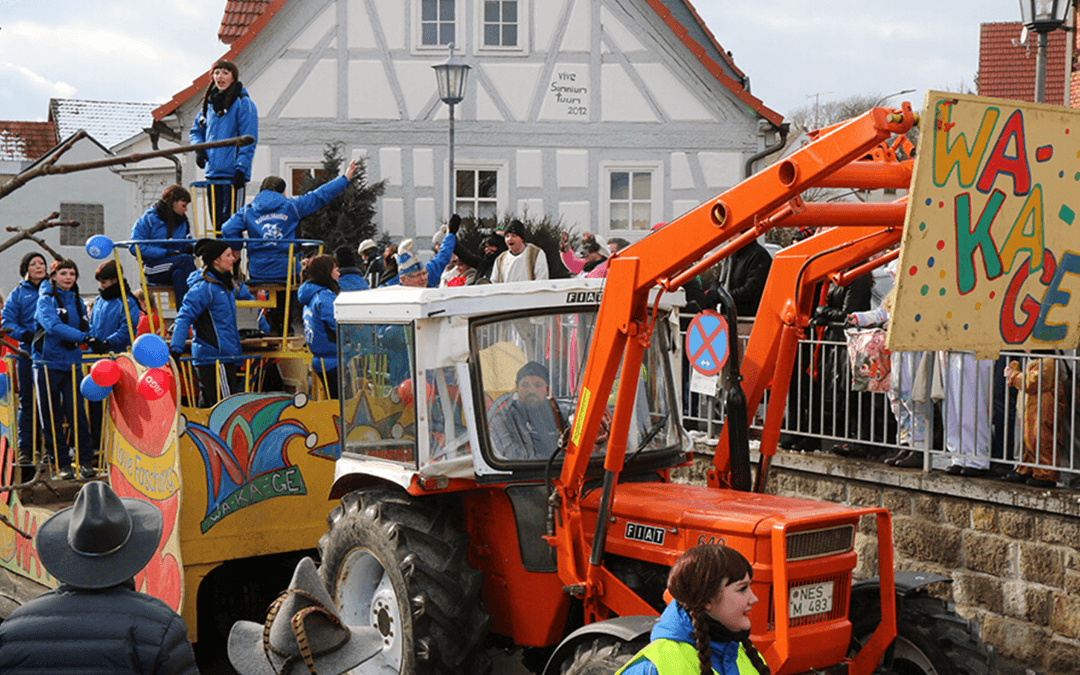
210 308
227 112
351 277
17 317
706 628
114 318
411 273
167 219
57 360
320 328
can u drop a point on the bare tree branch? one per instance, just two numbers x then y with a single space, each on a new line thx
29 233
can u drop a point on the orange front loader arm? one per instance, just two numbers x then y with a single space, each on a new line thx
623 323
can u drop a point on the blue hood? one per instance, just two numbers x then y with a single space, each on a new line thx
307 291
268 201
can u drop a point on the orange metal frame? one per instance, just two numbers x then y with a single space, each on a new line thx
854 154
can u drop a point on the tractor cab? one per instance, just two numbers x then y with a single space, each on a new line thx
482 383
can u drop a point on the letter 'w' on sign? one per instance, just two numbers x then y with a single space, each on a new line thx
957 154
968 241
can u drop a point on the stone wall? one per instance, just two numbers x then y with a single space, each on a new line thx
1013 552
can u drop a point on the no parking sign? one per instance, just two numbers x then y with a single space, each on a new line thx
707 342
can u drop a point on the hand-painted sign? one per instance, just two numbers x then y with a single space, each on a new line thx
989 258
707 342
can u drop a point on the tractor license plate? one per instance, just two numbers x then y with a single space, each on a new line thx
810 599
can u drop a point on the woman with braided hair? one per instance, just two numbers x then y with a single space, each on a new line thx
706 628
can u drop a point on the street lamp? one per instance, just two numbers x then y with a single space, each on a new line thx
886 98
451 77
1043 16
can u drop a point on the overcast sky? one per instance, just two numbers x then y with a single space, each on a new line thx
148 50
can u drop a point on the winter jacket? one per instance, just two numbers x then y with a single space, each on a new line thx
69 630
272 215
436 265
372 270
18 313
749 272
352 279
320 328
672 650
209 307
151 226
62 315
241 119
107 318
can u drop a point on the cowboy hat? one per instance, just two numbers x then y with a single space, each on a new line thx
303 615
101 541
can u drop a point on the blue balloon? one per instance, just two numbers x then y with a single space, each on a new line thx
150 350
99 246
93 391
3 384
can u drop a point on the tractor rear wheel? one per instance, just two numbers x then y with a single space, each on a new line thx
396 563
932 639
601 655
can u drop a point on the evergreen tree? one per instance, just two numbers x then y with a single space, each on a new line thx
347 219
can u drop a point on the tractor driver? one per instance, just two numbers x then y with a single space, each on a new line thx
526 423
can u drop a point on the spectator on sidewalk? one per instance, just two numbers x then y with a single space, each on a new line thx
1041 409
521 261
592 264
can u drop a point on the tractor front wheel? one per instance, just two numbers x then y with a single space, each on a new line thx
395 563
932 639
601 655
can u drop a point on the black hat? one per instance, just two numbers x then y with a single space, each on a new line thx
534 369
515 227
210 249
24 264
344 256
303 633
101 541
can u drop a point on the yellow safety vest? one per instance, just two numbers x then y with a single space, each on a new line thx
680 658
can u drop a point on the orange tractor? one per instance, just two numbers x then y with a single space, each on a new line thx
461 526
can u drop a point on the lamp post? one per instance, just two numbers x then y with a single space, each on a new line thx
1043 17
886 98
451 77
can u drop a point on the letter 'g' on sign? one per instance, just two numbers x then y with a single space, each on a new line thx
707 342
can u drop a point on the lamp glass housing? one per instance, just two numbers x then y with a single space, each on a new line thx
1044 16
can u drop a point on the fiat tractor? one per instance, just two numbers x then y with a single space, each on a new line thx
462 524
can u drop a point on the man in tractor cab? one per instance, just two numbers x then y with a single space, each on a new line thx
526 423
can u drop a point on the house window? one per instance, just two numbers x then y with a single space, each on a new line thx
91 219
630 200
476 193
437 22
301 179
500 23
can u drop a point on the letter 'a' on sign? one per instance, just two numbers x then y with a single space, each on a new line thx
707 342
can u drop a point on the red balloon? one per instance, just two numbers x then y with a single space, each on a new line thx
3 366
405 392
105 373
155 383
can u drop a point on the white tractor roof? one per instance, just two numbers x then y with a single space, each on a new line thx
401 303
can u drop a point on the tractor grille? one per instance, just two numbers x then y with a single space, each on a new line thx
841 593
820 543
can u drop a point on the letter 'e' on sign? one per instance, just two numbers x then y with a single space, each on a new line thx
990 255
707 342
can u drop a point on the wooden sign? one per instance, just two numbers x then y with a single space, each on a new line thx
990 257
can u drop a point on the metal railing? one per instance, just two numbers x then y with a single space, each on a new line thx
970 413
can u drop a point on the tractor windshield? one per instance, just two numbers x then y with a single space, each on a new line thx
530 375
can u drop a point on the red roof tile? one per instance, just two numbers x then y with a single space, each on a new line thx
238 16
1007 68
26 141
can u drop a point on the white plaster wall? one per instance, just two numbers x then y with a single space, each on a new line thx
393 216
359 26
681 176
317 96
268 87
721 169
576 215
370 95
533 208
424 168
622 101
545 20
486 110
425 224
418 83
623 38
516 83
576 38
390 165
682 206
673 97
317 29
572 168
530 168
391 15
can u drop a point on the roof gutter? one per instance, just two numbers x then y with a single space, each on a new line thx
779 145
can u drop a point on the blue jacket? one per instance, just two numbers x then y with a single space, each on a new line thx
320 328
436 265
107 321
675 624
272 215
62 314
241 119
18 313
352 279
210 308
150 226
